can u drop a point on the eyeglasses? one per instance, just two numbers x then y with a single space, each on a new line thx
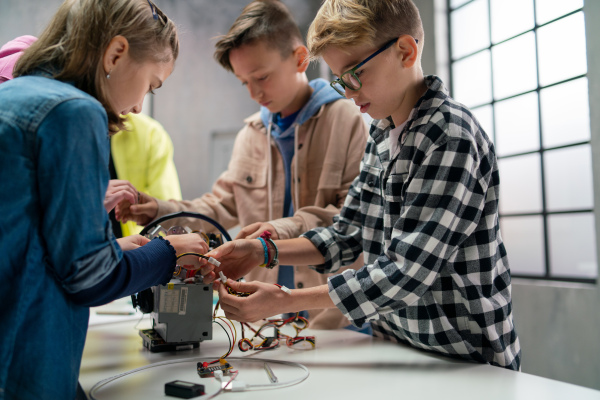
350 80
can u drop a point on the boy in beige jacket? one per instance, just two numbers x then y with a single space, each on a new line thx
293 161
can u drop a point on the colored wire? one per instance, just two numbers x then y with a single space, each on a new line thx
231 327
217 309
231 340
228 338
204 236
192 254
245 344
229 324
297 322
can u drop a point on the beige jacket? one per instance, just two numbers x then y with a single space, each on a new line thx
329 148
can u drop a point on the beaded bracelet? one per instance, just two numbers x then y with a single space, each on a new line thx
275 261
266 236
266 250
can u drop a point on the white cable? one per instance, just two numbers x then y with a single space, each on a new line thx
240 385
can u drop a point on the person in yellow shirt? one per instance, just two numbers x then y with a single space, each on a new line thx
142 154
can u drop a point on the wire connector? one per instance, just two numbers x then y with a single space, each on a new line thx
214 261
218 375
235 386
223 277
285 289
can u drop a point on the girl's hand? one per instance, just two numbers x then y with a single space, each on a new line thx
132 242
189 243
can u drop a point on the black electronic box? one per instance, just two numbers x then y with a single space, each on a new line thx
183 390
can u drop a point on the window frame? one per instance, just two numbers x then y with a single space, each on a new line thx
545 213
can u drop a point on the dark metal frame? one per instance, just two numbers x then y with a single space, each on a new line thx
544 214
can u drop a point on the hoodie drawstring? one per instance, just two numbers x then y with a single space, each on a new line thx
296 181
269 173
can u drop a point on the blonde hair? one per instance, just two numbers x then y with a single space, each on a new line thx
266 20
346 23
73 44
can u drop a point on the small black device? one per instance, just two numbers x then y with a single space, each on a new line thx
183 389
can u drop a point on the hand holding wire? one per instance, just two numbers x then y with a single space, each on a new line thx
237 258
186 247
258 300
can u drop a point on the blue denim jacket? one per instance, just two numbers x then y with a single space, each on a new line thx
54 154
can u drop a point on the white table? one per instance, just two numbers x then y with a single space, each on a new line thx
345 364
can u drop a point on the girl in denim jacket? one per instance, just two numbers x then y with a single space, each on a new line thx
95 61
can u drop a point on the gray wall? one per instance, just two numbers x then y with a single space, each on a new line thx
558 325
19 18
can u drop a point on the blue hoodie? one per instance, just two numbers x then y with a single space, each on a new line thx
322 94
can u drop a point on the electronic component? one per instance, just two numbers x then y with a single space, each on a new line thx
214 262
183 389
182 310
155 343
206 371
268 343
284 288
181 316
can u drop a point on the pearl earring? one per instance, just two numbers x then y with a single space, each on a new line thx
108 75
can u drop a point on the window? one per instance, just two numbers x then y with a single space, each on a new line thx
521 66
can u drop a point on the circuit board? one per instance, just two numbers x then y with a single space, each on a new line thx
206 371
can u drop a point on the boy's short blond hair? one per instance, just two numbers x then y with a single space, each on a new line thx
346 23
261 20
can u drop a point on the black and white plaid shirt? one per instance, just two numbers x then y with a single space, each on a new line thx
436 274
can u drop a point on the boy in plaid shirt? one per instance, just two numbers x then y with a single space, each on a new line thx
424 209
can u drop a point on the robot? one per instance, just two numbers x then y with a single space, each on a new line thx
181 310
